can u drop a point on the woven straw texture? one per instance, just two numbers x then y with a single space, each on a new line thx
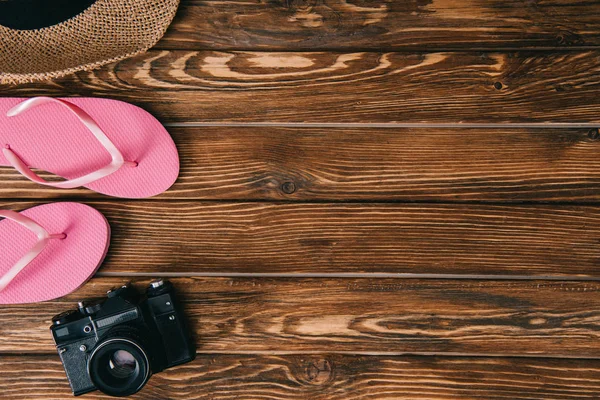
108 31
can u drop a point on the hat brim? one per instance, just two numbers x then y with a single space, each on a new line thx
108 31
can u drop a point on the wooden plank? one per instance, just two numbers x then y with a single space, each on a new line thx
428 164
467 239
376 24
332 377
187 86
371 316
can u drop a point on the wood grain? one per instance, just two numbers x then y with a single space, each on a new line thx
373 316
394 164
206 237
285 335
376 24
359 87
331 377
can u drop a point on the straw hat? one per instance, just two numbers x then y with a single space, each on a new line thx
45 39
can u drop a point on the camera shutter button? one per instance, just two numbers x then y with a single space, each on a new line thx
157 284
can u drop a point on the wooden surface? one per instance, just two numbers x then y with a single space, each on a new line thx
331 376
282 315
376 24
373 164
378 199
334 238
181 86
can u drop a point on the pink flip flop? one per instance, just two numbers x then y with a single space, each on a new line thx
108 146
49 251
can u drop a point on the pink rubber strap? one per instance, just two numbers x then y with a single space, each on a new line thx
117 158
43 238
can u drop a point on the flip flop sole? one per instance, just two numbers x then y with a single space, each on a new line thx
52 139
64 265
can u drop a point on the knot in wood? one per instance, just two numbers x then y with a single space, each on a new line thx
288 187
319 372
594 134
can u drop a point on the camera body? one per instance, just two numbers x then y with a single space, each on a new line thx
116 344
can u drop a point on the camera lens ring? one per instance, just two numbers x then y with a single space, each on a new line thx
129 384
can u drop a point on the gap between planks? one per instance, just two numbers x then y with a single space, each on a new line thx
408 354
388 49
299 202
346 275
390 125
405 354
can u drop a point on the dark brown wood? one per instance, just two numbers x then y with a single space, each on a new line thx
331 377
376 24
427 164
338 62
373 316
196 237
186 86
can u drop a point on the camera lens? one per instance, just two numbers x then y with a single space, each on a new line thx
119 367
122 364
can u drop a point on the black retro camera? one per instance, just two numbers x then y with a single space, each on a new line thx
116 344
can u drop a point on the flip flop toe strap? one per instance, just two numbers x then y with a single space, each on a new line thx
117 158
43 237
